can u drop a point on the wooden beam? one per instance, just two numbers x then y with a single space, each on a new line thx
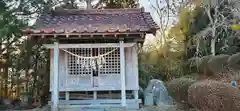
99 101
88 34
98 45
106 88
122 71
104 103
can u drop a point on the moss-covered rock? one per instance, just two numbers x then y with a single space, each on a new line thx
209 95
178 90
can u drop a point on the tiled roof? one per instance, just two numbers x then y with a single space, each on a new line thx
94 21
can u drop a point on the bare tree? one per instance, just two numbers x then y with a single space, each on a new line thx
166 13
220 15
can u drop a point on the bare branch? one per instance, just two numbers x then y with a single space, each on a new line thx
98 4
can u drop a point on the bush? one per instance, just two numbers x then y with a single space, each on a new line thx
209 95
193 76
203 63
234 61
178 89
151 108
228 75
218 63
193 109
160 108
193 64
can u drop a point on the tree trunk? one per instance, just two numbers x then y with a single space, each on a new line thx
213 28
213 42
35 75
89 5
46 80
6 80
2 71
6 71
18 86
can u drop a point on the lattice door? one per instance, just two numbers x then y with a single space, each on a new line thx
83 67
105 62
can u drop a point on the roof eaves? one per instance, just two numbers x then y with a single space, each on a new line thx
150 22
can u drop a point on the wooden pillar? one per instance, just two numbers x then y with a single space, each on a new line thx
55 92
135 92
94 95
135 68
122 70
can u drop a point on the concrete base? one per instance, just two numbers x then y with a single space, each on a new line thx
98 105
132 107
96 109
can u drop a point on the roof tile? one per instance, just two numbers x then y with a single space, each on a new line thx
91 21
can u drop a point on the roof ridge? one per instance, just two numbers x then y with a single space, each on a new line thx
95 11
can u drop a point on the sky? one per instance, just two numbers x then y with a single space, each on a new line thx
145 3
147 6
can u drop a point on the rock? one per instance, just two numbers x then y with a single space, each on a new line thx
7 101
158 91
16 102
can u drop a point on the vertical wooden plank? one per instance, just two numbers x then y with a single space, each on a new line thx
67 95
128 67
110 94
122 70
91 70
55 93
